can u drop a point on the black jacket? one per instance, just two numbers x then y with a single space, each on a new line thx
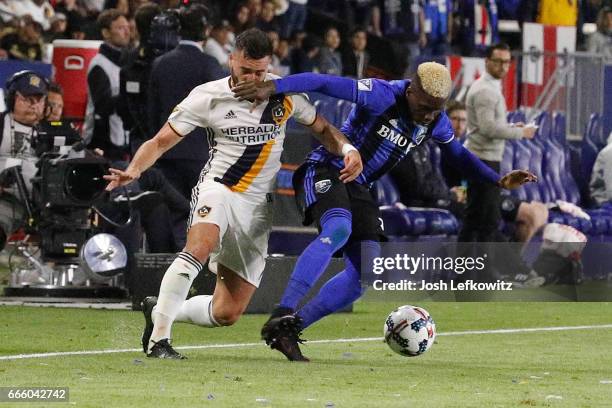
173 76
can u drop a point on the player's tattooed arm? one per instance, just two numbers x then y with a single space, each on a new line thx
144 158
336 142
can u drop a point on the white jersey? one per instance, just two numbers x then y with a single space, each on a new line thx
245 147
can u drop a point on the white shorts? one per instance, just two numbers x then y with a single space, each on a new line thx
244 222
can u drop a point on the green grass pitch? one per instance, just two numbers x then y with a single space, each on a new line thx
570 368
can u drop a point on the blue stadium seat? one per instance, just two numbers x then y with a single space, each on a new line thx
523 160
385 191
402 221
559 127
438 221
592 143
507 163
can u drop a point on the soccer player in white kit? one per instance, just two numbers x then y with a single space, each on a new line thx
231 207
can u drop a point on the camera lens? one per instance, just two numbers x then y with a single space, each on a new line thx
84 182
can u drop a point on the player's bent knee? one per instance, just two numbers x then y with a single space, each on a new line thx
341 231
227 317
198 251
536 215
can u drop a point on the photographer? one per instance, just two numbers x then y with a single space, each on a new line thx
25 98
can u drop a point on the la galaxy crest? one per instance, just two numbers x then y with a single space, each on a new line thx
203 211
278 111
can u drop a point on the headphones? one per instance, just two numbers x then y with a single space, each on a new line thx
10 87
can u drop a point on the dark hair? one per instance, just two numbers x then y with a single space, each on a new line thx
255 43
311 42
358 29
329 28
194 19
454 105
55 88
106 18
498 46
143 18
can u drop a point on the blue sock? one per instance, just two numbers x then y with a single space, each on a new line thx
335 231
344 288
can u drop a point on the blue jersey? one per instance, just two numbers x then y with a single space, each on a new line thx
380 126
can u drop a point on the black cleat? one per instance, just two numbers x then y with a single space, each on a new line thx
163 349
147 306
283 334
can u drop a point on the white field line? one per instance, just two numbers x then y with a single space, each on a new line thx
331 341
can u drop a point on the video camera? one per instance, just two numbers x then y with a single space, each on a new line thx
68 183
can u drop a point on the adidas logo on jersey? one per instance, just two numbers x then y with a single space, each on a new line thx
230 115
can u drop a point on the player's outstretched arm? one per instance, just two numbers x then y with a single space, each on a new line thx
462 158
516 178
331 85
144 158
336 142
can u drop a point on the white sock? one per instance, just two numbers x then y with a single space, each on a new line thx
172 294
197 310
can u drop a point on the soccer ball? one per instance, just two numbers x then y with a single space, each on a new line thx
410 331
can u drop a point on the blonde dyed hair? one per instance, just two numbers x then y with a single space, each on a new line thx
435 79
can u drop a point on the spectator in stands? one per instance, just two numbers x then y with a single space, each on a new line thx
241 19
487 130
103 126
294 18
93 7
267 21
601 177
182 164
558 12
123 6
75 16
457 114
362 13
40 11
404 25
304 59
600 42
25 43
355 60
279 63
55 103
478 25
254 11
330 61
218 44
59 26
438 27
8 11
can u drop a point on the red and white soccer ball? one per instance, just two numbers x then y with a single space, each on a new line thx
410 331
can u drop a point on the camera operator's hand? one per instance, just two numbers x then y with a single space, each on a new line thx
119 178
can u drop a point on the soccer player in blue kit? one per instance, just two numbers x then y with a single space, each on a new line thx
389 119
